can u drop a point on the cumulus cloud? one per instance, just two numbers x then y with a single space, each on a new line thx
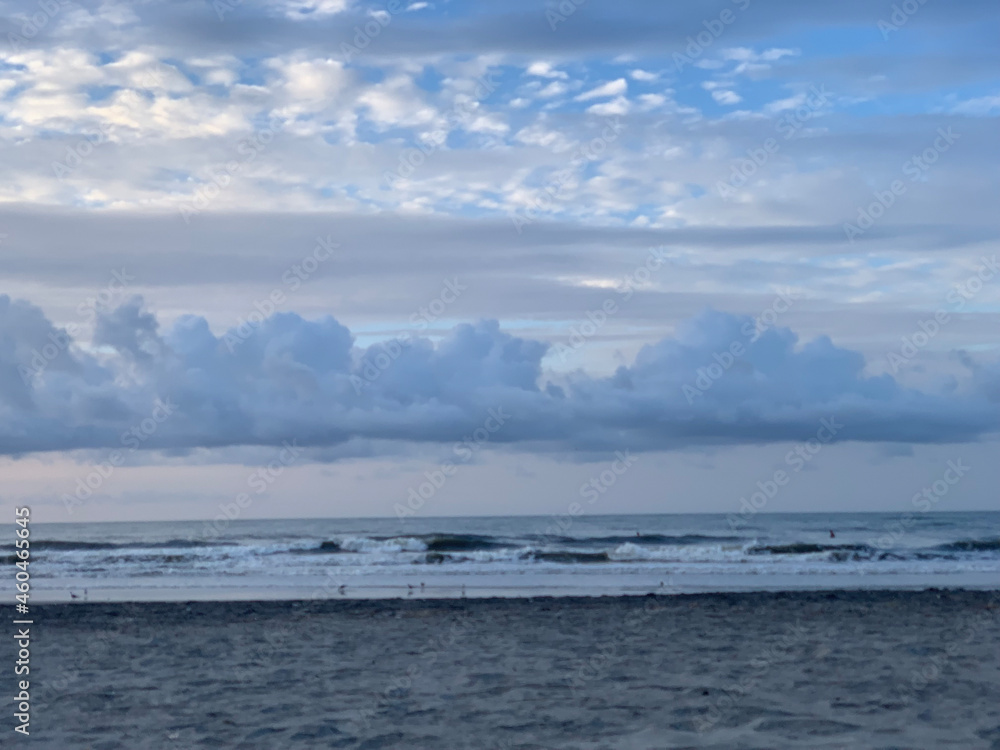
723 96
307 9
545 70
644 75
749 61
979 106
617 106
292 378
612 88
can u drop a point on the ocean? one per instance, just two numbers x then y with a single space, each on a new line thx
510 556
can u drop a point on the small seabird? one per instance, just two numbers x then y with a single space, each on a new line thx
421 585
73 596
342 588
832 535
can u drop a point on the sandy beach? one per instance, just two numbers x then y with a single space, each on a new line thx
821 669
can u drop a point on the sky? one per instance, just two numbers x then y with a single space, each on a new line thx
310 258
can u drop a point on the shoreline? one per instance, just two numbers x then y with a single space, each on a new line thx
804 594
345 590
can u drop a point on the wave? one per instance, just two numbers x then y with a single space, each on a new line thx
972 545
566 558
417 543
381 544
805 548
462 543
642 539
572 557
58 545
505 549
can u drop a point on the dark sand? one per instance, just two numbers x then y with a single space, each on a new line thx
814 670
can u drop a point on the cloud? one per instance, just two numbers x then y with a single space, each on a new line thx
979 106
643 75
611 88
617 106
652 101
286 378
553 89
545 70
726 97
310 9
750 61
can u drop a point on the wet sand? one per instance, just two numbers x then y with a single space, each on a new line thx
849 669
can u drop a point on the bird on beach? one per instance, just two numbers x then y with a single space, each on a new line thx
73 596
342 588
832 535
